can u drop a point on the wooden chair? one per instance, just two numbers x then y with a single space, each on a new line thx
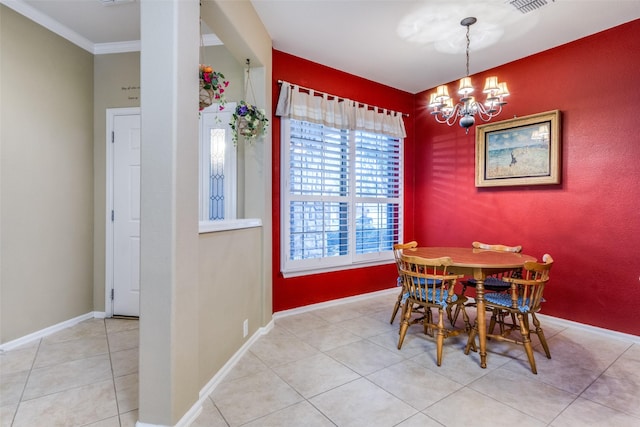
398 249
429 285
492 283
521 301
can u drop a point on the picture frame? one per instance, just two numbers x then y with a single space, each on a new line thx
519 151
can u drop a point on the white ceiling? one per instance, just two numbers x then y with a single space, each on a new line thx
411 45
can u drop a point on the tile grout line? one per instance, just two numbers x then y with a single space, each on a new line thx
579 395
113 378
20 399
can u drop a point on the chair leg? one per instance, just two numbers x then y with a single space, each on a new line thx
456 313
406 311
440 337
471 341
465 318
426 325
403 311
526 340
494 320
468 328
396 307
540 335
513 319
429 319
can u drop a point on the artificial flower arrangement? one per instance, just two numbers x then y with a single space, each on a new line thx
212 85
248 121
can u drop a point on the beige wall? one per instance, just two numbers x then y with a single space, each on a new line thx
229 292
117 85
46 178
242 32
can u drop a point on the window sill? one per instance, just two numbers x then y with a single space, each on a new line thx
308 272
226 225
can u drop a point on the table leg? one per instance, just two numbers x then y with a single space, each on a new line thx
480 319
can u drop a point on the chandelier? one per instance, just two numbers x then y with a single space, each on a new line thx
442 105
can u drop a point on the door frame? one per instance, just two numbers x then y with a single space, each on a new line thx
108 261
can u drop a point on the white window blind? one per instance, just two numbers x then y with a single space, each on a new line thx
342 197
341 181
377 192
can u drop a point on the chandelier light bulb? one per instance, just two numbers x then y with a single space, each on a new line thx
465 87
491 85
448 107
442 93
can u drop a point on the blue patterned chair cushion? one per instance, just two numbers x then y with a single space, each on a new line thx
440 296
399 282
505 301
491 283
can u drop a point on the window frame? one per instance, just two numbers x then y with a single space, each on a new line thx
292 268
220 119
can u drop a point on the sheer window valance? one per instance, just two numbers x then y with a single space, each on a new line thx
305 104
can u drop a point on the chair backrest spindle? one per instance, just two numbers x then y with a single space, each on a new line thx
530 288
427 278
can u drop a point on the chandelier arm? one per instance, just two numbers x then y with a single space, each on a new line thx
449 119
440 117
455 113
486 115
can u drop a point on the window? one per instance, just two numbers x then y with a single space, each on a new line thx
217 165
342 197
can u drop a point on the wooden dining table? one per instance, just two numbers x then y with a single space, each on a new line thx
477 263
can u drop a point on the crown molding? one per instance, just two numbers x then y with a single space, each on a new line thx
116 47
95 48
48 23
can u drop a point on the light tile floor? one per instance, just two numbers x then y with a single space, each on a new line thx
335 366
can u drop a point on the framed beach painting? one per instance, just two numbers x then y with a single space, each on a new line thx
519 151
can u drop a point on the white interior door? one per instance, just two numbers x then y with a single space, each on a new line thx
126 215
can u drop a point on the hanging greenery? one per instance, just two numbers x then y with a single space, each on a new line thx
212 86
248 121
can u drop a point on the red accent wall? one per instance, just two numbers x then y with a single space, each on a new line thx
305 290
590 223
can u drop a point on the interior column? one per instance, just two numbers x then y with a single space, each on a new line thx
168 373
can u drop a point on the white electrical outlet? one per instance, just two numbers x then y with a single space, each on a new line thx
245 328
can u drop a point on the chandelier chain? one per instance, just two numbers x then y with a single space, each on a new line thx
468 43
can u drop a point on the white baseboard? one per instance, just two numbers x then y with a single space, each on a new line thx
9 345
191 416
589 328
334 303
564 323
196 409
187 419
231 363
139 424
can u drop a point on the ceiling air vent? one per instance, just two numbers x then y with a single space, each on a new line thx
114 2
525 6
